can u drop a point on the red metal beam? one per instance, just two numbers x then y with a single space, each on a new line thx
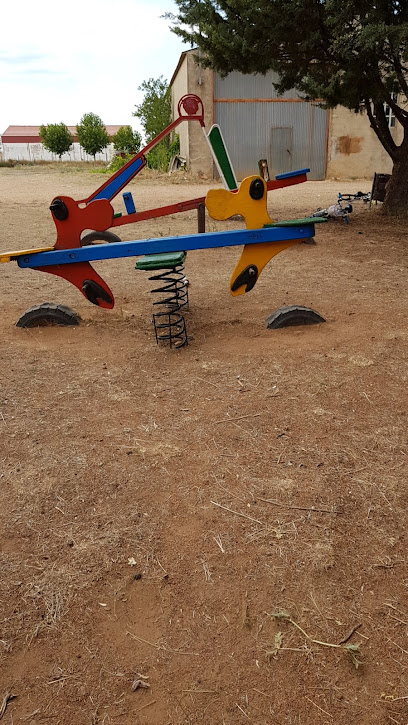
281 183
190 204
159 211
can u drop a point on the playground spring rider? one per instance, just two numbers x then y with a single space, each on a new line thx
72 253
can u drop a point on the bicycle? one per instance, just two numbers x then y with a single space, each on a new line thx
335 211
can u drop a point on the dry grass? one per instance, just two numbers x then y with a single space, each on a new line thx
158 508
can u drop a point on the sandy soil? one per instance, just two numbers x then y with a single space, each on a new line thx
199 536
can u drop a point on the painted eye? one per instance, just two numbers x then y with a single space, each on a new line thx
256 189
59 210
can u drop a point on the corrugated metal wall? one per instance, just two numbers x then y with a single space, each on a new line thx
289 133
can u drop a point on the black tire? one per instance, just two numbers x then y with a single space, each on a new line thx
95 237
293 315
48 314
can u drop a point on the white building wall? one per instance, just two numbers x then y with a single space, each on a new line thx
178 90
37 152
354 150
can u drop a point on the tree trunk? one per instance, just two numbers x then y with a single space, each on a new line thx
396 198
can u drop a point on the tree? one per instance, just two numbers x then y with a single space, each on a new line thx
92 134
155 114
127 141
56 138
351 53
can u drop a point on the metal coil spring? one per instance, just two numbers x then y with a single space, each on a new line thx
169 324
170 327
175 287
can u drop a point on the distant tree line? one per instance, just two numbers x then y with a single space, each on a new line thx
154 113
92 136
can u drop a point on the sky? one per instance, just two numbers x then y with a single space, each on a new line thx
59 61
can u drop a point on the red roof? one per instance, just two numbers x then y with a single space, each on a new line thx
30 134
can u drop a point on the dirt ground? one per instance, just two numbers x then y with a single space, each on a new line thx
218 534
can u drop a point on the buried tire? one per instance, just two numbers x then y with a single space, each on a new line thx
99 237
48 314
293 315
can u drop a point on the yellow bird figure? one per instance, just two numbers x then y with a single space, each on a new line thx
250 201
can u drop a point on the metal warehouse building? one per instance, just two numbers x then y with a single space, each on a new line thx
23 143
287 131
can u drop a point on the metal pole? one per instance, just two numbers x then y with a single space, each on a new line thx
201 219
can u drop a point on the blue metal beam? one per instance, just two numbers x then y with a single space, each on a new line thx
166 244
118 181
288 174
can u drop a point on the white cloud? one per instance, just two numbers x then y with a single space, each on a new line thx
90 55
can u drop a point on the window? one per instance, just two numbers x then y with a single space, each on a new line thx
389 113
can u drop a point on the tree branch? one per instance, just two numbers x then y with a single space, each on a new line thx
399 112
399 71
378 128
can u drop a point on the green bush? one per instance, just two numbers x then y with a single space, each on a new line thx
116 163
174 148
159 157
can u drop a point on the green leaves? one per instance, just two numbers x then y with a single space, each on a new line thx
155 110
92 134
337 50
126 140
155 115
56 138
352 53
